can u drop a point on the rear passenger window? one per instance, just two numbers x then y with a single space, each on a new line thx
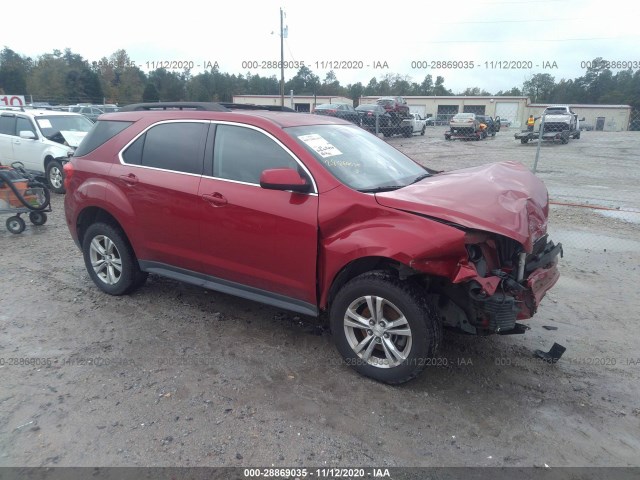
170 146
100 133
242 154
8 125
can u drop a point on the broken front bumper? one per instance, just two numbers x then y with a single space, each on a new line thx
513 300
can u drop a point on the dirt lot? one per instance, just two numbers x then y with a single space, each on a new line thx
174 375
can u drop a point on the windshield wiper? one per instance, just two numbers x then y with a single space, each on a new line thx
385 188
420 177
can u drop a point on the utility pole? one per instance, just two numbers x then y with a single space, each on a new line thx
281 58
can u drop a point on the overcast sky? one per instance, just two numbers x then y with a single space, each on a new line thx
541 32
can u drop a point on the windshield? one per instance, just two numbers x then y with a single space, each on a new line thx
357 158
556 111
53 125
463 116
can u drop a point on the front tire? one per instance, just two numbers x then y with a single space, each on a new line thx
384 327
110 260
55 176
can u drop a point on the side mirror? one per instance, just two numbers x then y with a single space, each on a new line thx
284 179
28 134
582 119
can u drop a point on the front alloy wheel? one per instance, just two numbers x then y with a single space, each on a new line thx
377 331
55 176
384 327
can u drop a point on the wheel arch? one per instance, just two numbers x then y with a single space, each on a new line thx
94 214
362 265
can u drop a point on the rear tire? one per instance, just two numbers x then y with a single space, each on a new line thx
363 320
110 260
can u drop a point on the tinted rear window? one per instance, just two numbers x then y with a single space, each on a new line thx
99 134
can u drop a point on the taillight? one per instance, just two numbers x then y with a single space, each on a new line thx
68 173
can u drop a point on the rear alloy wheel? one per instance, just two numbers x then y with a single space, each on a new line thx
384 327
55 176
110 260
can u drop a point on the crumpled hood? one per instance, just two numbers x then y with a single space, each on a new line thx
73 138
504 198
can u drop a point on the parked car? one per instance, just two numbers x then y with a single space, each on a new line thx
505 122
464 123
312 214
430 121
493 125
42 140
395 106
92 113
368 115
338 110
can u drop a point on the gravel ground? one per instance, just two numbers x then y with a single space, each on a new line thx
174 375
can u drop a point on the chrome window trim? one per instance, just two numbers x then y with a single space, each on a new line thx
217 122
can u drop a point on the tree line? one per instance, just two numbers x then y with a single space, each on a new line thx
64 77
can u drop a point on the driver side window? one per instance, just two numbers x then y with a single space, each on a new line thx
24 124
242 154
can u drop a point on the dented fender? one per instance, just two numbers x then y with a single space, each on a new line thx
422 244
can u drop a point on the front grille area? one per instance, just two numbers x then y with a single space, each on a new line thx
501 312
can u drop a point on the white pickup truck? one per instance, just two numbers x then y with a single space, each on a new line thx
407 127
418 124
560 124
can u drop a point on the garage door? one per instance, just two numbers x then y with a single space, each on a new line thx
508 110
419 109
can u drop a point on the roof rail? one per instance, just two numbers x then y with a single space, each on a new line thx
203 106
253 106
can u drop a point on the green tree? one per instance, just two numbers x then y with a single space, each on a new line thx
539 87
14 70
150 93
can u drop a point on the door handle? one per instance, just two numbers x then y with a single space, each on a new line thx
129 179
215 199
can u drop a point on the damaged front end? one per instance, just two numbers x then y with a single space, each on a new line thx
496 284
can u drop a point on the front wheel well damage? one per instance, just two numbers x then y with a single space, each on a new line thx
364 265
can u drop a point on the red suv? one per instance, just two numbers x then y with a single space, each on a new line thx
312 214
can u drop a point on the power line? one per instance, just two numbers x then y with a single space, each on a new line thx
527 40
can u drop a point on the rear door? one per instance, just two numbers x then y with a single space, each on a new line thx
159 173
7 132
264 241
